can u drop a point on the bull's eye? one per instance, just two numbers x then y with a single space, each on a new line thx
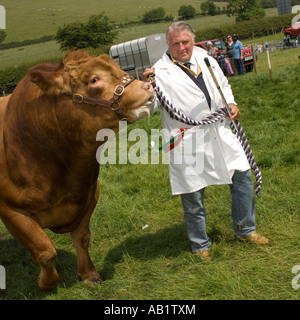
94 80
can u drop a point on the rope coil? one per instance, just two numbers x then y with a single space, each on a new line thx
214 117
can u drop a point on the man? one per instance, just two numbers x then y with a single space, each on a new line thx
192 90
238 55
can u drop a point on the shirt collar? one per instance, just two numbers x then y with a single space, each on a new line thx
192 60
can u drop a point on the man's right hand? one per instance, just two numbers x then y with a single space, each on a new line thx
147 73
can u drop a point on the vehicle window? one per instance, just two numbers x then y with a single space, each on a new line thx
218 43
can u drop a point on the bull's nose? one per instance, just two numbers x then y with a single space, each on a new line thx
146 86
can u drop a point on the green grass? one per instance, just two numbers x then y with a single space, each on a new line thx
49 50
32 21
156 263
12 58
44 17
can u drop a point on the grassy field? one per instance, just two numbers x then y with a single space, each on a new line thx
37 18
49 50
155 263
33 20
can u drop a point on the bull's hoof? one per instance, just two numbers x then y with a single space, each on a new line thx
46 284
92 281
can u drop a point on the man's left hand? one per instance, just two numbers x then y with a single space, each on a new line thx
235 112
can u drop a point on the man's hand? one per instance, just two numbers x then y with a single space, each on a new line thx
235 112
147 73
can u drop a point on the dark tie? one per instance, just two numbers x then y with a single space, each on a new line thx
199 81
187 64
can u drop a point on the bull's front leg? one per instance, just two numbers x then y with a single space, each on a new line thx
31 235
85 268
81 237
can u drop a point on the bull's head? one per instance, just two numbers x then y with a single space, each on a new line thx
93 80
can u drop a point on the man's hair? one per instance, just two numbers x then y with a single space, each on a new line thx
180 26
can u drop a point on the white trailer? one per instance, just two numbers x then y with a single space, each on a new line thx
2 18
137 55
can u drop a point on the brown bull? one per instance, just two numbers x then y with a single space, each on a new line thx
48 167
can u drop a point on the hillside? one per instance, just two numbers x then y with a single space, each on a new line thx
34 19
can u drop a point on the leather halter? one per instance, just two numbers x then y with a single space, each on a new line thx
113 103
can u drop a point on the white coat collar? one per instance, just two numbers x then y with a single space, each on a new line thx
198 56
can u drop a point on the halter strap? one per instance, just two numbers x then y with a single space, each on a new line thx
113 103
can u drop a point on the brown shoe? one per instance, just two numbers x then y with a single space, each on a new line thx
255 238
204 254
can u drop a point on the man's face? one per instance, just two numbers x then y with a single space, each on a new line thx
181 45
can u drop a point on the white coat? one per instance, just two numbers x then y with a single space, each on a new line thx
212 152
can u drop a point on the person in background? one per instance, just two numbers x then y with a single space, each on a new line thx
183 77
287 41
220 57
238 55
229 54
210 49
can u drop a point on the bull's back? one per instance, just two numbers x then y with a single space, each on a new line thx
3 104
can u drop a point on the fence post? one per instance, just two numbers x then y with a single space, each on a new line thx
269 61
254 57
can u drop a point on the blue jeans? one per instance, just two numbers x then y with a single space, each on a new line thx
242 211
239 64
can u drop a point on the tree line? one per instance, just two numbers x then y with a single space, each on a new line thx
98 30
241 9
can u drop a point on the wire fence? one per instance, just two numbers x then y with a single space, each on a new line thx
275 45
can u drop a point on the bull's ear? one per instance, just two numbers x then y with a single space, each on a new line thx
50 82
